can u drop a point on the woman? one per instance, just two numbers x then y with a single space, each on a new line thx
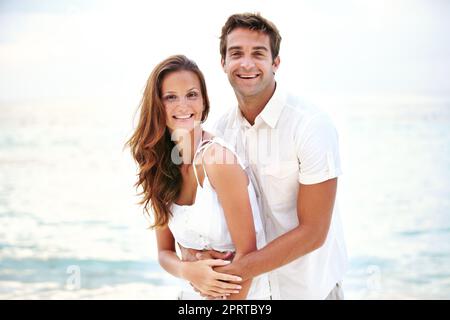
194 184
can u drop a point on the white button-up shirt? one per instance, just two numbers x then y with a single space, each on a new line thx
291 142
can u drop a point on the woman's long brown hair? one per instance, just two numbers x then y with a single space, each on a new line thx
151 144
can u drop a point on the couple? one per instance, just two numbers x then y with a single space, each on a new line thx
249 224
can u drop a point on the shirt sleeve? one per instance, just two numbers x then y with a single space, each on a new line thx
318 151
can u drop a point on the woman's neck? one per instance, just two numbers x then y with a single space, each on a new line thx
187 143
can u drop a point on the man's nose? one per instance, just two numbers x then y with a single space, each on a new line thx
247 63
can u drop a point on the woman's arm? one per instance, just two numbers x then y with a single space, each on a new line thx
231 185
199 273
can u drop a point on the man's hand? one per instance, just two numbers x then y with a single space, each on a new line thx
211 254
234 268
188 254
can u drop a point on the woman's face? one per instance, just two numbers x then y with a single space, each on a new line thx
183 100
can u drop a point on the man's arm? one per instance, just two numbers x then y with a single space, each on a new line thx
315 204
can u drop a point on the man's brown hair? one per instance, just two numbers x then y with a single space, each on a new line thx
251 21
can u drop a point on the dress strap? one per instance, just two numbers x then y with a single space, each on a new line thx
203 145
226 146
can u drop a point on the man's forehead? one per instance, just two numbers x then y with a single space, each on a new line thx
240 38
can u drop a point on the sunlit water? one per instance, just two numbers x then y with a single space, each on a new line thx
71 229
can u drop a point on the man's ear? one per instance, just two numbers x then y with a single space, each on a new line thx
222 62
276 63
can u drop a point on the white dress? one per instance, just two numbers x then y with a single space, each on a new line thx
202 226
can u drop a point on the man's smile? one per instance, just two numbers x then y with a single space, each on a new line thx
248 76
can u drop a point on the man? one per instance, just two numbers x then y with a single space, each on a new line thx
292 152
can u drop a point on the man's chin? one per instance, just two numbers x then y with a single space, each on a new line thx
247 92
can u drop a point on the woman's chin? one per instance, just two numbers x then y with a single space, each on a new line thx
181 128
186 126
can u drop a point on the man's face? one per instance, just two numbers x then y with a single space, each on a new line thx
248 62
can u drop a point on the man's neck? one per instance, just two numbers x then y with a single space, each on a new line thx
252 106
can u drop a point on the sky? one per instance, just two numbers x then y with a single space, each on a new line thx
107 49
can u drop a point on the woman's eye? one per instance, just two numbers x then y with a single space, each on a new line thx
192 95
170 97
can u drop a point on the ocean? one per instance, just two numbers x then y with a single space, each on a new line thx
71 227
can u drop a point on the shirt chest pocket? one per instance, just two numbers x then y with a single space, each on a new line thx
280 183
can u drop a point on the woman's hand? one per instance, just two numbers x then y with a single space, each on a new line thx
209 282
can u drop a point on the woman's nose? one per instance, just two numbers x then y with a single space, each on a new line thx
182 101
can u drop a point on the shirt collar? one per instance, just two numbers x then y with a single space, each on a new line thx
240 120
272 111
270 114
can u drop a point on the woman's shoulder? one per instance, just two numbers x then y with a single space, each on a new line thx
210 145
221 162
222 166
219 153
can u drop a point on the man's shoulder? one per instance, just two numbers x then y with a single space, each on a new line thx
224 122
301 113
226 117
299 108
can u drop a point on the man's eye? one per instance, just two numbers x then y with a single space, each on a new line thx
235 54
